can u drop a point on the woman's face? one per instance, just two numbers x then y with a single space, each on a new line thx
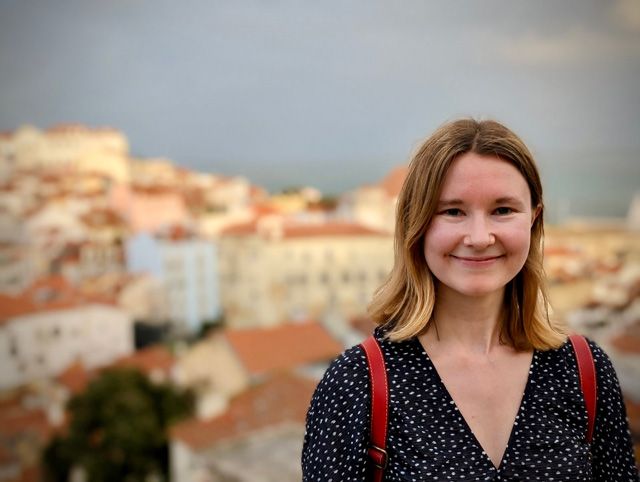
479 238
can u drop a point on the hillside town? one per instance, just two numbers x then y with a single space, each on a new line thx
211 284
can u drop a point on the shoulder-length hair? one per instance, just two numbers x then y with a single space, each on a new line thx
405 302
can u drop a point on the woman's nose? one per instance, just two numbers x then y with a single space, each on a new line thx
479 234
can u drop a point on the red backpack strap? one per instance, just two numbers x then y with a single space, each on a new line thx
588 384
379 407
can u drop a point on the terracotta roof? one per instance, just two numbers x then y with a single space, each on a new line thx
176 232
257 192
241 229
15 419
97 218
45 294
561 251
283 398
262 350
29 474
153 190
75 378
22 428
392 183
147 360
291 229
330 229
62 128
629 340
363 325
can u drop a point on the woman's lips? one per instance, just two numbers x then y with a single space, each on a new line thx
476 261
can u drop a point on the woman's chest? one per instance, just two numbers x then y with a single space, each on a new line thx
429 438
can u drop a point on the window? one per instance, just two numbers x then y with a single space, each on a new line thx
13 347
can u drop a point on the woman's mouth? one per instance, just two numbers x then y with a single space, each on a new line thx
477 261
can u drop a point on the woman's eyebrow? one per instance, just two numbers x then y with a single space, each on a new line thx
449 202
443 203
509 200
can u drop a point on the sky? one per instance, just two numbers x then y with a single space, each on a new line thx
334 94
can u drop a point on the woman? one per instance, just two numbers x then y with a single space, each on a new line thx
483 385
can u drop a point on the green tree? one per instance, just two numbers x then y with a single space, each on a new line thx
118 429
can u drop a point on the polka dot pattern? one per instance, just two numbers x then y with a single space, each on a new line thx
429 439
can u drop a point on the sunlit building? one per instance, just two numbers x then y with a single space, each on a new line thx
49 326
273 269
374 205
67 146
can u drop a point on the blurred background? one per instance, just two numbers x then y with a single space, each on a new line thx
197 203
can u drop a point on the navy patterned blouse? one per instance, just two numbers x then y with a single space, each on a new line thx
429 440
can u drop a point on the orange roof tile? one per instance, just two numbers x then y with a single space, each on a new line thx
154 190
75 378
63 128
329 229
241 229
291 229
287 346
15 419
283 398
148 359
561 251
264 208
45 294
629 340
103 217
392 183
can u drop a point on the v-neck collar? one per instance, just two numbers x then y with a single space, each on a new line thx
463 422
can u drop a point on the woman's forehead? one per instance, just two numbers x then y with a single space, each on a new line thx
473 176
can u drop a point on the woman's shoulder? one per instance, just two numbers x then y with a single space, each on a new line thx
565 355
349 365
600 357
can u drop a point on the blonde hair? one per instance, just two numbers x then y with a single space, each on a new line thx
405 302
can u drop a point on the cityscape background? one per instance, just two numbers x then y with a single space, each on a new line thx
197 203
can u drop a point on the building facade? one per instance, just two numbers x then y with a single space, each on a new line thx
40 343
188 269
272 270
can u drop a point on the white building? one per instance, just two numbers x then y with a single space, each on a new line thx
49 326
374 205
67 146
272 270
188 268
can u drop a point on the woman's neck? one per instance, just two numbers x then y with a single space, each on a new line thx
466 323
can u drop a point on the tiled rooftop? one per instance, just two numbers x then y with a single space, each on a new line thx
262 350
283 398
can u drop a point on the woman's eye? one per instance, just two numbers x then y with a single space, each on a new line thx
503 210
452 212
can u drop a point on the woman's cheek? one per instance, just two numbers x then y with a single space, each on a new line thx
516 238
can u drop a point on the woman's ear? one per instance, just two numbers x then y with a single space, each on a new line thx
536 212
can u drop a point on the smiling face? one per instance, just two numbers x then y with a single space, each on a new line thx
478 239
